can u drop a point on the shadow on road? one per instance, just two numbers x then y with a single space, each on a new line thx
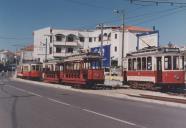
15 99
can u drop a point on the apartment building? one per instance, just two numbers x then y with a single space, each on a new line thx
52 43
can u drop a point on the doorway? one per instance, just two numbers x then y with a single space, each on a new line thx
159 70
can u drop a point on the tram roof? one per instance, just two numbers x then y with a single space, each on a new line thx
33 62
154 50
83 56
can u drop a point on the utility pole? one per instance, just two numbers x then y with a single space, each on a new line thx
46 50
122 13
101 48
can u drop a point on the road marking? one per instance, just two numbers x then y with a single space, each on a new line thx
86 110
110 117
63 103
34 94
23 90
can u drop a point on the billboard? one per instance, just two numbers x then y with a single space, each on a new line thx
106 54
148 39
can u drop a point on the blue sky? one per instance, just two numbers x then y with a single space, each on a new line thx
19 18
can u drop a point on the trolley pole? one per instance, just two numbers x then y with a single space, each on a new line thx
101 48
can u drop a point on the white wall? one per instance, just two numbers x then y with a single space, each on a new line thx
130 42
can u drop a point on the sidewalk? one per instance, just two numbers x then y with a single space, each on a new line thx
130 94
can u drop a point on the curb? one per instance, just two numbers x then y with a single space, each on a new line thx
105 93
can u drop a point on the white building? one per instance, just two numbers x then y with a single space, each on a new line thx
6 57
26 54
62 42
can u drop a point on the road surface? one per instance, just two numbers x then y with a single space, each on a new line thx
24 105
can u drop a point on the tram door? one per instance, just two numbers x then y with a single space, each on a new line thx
159 70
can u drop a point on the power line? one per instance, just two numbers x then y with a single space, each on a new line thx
14 38
139 18
142 17
88 4
160 17
157 2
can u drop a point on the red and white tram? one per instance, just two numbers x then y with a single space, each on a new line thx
155 66
30 70
51 71
82 70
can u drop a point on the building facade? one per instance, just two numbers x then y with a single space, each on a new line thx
6 57
57 43
26 54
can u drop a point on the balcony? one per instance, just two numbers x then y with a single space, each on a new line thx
63 43
62 54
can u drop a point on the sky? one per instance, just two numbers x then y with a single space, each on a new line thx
19 18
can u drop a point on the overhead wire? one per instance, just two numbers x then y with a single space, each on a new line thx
161 16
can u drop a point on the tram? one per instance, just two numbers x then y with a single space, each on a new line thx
153 67
81 70
51 71
31 70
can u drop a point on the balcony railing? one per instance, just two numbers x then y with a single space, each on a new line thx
74 43
62 54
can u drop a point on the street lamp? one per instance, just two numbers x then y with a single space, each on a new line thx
122 14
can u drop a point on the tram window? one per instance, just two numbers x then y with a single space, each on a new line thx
33 67
168 64
138 63
149 63
134 64
143 63
183 65
57 68
76 66
37 68
129 64
175 62
96 64
61 68
182 62
25 68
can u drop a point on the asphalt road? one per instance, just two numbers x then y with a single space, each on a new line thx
24 105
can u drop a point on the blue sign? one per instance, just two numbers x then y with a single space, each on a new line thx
106 54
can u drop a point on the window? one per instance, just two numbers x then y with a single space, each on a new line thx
99 37
144 63
182 63
33 67
115 49
138 63
50 39
58 50
71 38
129 64
81 39
116 36
59 37
76 66
25 68
168 65
134 64
50 50
94 39
90 39
149 63
109 36
37 68
175 62
95 64
69 50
